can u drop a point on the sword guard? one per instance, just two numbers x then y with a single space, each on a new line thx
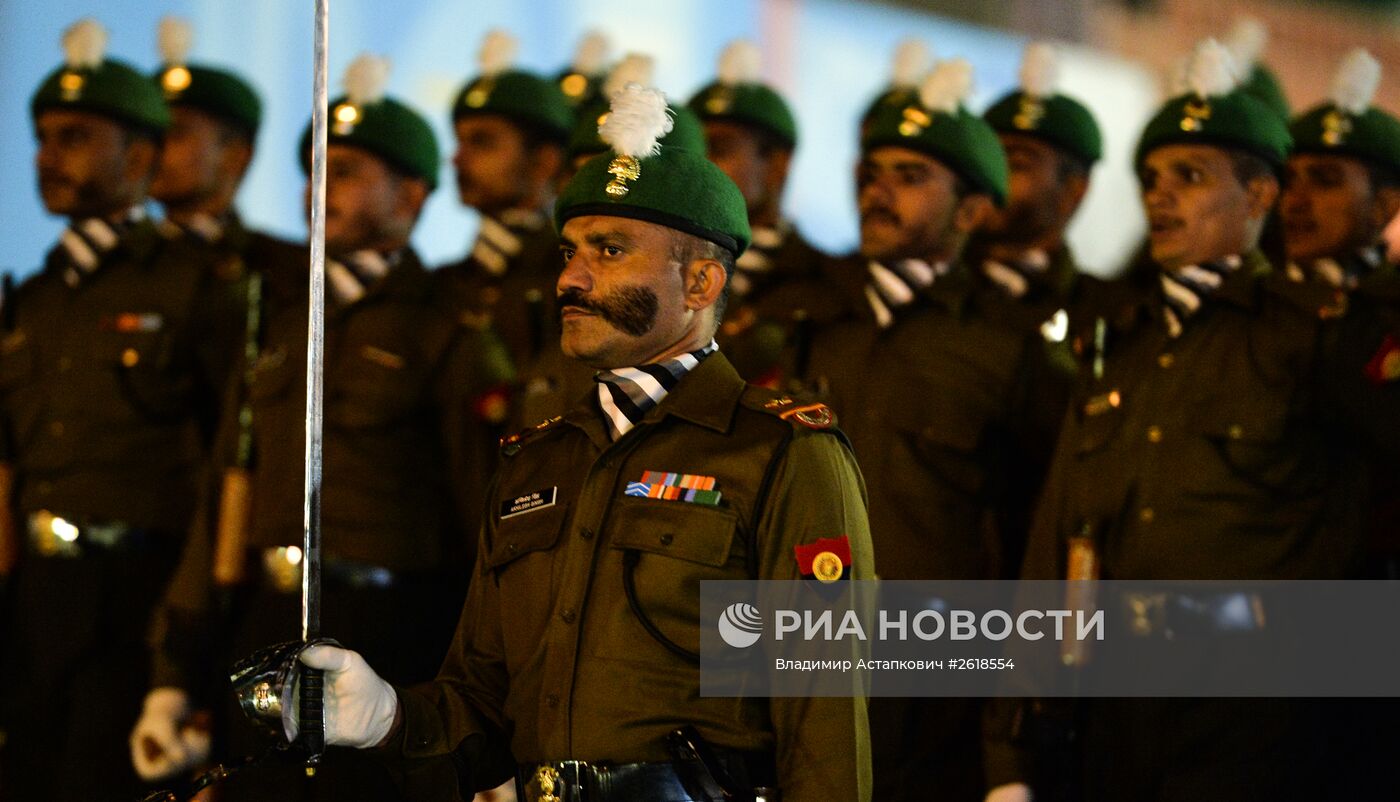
264 683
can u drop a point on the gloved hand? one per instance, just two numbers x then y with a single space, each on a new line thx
359 706
163 742
1011 792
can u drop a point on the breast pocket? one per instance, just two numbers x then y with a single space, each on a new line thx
150 372
521 538
940 438
664 550
375 387
1254 439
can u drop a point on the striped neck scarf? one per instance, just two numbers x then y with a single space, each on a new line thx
756 264
896 286
201 227
499 241
1185 290
1017 277
627 394
86 241
351 276
1342 275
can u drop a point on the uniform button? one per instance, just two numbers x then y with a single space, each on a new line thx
1165 360
1146 515
667 538
45 487
1154 434
131 357
568 615
511 548
552 701
56 428
586 533
64 364
1236 431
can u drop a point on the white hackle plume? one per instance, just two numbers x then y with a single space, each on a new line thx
592 54
1354 86
948 86
366 79
1212 72
912 60
497 53
1246 42
1040 70
174 40
638 120
740 63
635 68
84 44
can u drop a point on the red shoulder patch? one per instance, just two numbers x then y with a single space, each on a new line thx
1384 366
827 559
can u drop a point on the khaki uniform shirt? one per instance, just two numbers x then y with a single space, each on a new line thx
548 653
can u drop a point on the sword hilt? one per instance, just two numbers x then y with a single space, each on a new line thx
311 717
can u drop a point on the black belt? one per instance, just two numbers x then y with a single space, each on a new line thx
281 570
51 535
581 781
1168 615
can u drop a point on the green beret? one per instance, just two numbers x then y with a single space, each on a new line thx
388 129
894 97
216 92
522 97
1236 120
686 132
963 142
1372 136
112 88
677 188
1264 86
750 104
580 90
1057 119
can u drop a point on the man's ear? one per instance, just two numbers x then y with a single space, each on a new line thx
546 162
1261 193
704 283
1074 187
972 212
412 194
237 156
1385 207
775 178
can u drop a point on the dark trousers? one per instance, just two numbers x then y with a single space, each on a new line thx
403 633
75 673
926 749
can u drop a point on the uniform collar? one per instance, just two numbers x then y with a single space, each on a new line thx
706 396
1241 286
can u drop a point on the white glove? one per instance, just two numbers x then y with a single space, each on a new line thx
359 706
1011 792
163 743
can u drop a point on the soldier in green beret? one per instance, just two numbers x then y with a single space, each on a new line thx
935 389
1213 435
413 398
751 134
909 66
511 127
1342 183
113 357
578 643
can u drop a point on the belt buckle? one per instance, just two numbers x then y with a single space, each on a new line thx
52 536
558 782
1148 613
543 785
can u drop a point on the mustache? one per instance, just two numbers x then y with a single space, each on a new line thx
631 310
873 213
54 178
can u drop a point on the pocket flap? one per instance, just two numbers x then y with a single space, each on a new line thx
686 531
527 532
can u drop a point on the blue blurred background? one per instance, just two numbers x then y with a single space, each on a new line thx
828 56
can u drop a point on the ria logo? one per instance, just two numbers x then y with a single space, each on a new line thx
741 625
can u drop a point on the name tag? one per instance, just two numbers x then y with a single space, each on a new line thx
529 502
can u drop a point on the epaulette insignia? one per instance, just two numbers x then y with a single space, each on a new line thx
511 444
813 416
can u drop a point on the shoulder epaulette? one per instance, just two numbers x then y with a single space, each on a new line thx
813 415
1314 298
512 443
